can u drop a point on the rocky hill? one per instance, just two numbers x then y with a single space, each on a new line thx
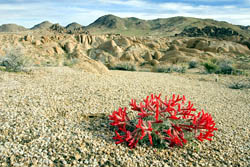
43 25
73 26
57 48
162 27
157 27
210 31
12 28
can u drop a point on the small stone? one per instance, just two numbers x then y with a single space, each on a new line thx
77 156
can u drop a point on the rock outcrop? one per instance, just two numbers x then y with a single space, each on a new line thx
12 28
210 31
56 47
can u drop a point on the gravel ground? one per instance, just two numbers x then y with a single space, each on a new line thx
59 117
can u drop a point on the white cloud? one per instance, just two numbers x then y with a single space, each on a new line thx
175 6
133 3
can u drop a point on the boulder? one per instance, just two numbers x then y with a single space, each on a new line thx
37 42
92 66
148 56
175 57
122 41
154 62
127 57
28 38
157 55
173 47
112 48
58 50
69 47
189 50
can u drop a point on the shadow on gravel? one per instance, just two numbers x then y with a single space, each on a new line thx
98 125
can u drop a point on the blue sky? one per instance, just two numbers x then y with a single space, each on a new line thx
31 12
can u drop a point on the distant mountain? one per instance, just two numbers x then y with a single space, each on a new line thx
114 22
43 25
158 27
246 28
73 26
12 28
58 28
132 26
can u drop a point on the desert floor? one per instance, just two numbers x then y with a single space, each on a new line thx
59 117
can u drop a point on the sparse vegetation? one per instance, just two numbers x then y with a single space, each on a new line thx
14 61
169 69
226 67
193 64
127 66
179 68
162 68
221 67
70 62
210 67
242 84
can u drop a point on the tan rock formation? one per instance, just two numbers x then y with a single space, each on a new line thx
173 47
28 38
92 66
157 55
127 57
111 47
148 56
69 47
58 50
37 42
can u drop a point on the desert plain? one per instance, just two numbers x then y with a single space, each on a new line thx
54 109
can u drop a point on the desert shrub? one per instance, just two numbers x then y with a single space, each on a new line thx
126 66
225 67
242 84
71 55
222 67
214 60
163 69
169 69
70 62
14 61
211 67
193 64
179 69
243 66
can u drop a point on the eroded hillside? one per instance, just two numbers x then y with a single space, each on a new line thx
51 48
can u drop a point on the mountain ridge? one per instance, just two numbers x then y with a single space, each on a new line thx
42 25
161 26
12 28
132 26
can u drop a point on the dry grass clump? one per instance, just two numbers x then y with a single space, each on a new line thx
221 66
126 66
242 84
170 68
14 61
193 64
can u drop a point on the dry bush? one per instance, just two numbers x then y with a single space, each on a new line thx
170 68
193 64
14 61
242 84
126 66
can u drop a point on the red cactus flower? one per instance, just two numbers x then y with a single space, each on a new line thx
155 115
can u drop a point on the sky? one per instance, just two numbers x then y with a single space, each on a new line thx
30 12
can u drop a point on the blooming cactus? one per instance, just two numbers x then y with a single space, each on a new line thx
169 119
